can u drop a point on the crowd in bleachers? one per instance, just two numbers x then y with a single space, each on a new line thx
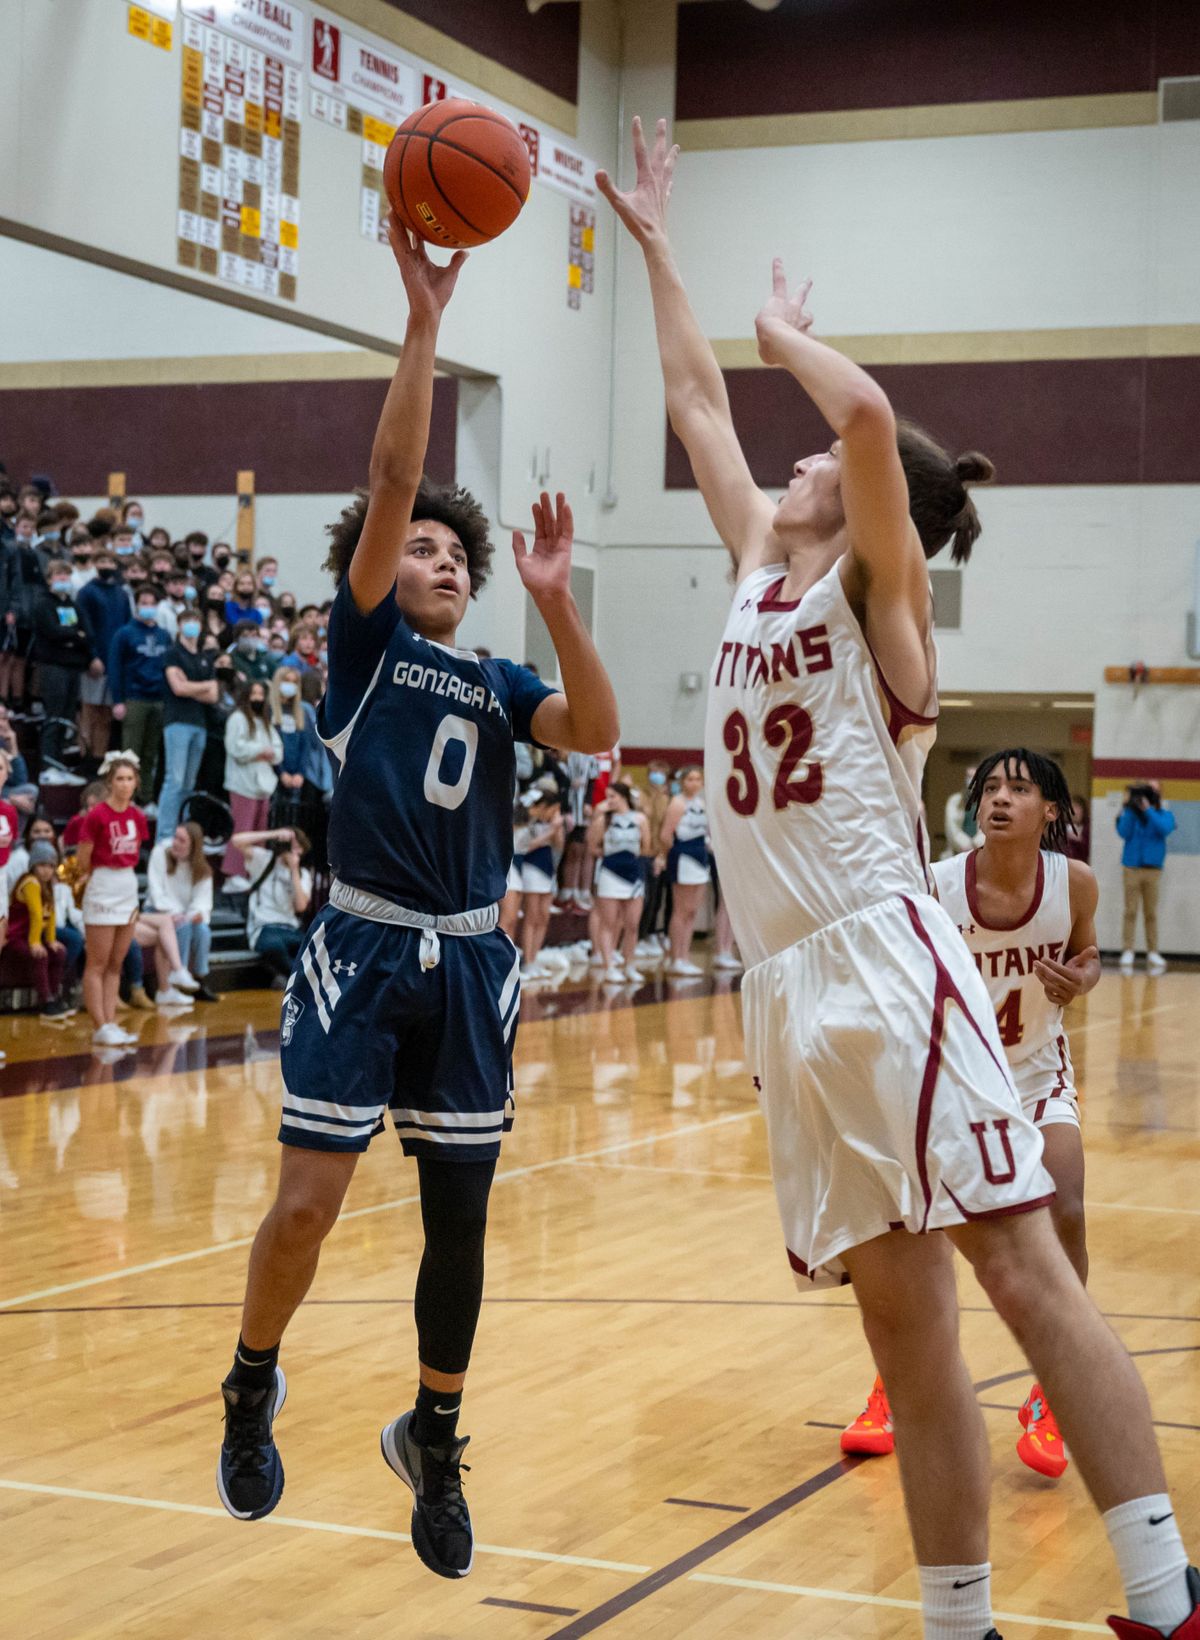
203 674
159 754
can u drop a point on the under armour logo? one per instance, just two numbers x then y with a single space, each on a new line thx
350 968
969 930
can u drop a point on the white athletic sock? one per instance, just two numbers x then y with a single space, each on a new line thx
956 1601
1153 1562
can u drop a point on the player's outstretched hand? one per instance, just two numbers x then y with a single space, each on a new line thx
644 209
781 310
545 569
429 285
1064 981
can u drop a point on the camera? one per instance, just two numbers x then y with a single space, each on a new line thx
1144 794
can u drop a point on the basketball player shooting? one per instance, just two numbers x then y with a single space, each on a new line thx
1027 914
405 994
889 1107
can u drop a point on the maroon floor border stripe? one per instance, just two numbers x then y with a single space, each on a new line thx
701 1503
685 1563
528 1606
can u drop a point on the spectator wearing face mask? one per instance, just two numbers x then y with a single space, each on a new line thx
195 545
243 605
191 688
252 751
134 518
305 772
277 648
82 549
125 547
267 575
63 653
136 669
48 536
104 608
286 605
213 617
179 596
251 657
161 564
23 584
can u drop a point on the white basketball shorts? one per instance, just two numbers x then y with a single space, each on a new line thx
1045 1084
888 1101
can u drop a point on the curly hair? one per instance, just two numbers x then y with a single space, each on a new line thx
445 504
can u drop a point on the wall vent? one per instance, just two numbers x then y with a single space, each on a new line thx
1179 99
946 585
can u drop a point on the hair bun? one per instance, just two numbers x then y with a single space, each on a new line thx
974 468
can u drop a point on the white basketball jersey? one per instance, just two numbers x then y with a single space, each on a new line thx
812 766
1028 1020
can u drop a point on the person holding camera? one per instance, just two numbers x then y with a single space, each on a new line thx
1144 826
280 891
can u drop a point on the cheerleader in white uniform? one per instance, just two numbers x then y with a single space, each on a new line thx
510 905
542 842
620 836
685 838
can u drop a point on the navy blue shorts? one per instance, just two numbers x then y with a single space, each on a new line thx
366 1029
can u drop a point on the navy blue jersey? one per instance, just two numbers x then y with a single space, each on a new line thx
422 810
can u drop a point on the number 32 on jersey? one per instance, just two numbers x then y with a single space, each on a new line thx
788 729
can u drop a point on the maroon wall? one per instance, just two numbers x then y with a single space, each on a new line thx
544 47
811 57
301 437
1080 421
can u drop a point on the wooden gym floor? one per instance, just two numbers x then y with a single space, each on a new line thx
653 1410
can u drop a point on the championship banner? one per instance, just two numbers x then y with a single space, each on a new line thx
275 27
239 147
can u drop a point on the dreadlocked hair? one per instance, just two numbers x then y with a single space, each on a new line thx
447 504
939 501
1045 774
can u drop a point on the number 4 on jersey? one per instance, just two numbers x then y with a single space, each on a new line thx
1008 1018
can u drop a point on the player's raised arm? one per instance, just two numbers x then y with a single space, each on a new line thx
398 454
697 402
883 539
583 717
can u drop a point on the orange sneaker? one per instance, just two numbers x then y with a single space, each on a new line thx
1041 1446
871 1432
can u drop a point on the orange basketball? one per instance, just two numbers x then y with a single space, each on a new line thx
457 173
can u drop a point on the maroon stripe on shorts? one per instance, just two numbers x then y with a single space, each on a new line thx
944 990
998 1212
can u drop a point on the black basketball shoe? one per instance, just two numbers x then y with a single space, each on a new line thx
441 1522
993 1634
250 1471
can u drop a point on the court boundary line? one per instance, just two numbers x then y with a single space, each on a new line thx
846 1596
212 1512
525 1172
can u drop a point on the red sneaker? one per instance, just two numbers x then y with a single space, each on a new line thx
871 1432
1041 1446
1189 1629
